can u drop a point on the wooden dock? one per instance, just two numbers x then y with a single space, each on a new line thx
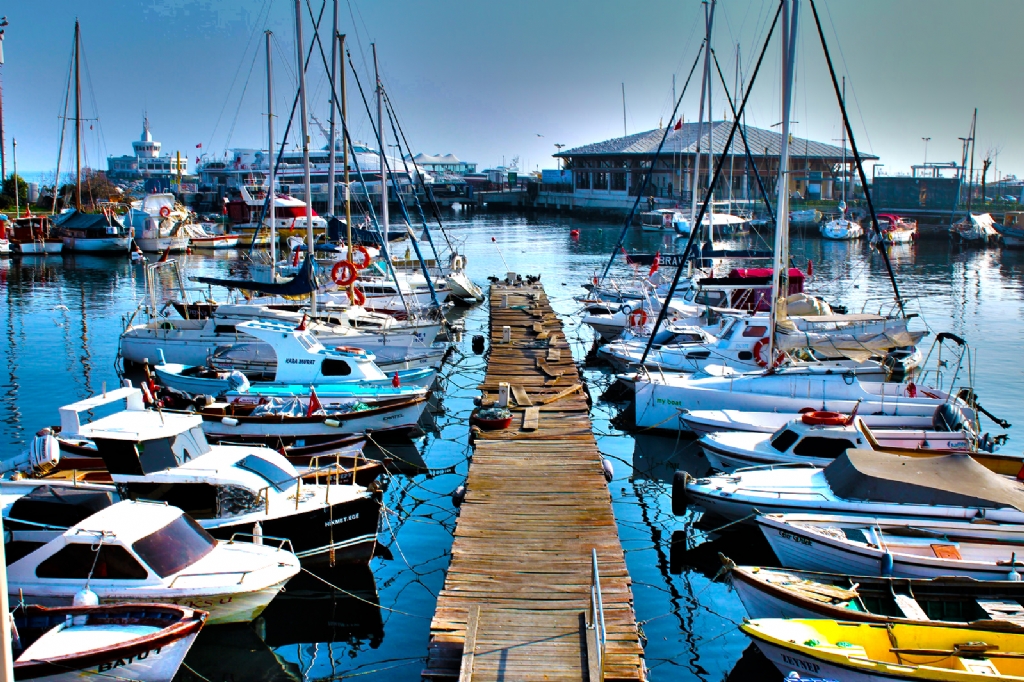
516 603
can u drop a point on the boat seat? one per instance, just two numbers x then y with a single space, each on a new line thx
946 552
1002 610
979 666
910 608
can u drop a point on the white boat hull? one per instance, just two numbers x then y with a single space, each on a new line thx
98 245
224 241
703 422
161 244
39 248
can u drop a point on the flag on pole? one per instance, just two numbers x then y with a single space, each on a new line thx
679 124
199 146
655 264
314 403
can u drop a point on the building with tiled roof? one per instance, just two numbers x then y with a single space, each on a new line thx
617 166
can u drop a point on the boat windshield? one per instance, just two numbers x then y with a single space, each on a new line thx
175 547
269 472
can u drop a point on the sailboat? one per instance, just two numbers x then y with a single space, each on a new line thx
79 231
842 228
661 399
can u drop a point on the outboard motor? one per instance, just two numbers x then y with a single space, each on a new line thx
949 417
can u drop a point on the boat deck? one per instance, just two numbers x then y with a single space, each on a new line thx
516 599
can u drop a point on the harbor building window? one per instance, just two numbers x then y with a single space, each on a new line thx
600 180
582 180
618 182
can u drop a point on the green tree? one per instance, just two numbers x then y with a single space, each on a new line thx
7 193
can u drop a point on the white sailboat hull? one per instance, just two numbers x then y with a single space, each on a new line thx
98 245
161 244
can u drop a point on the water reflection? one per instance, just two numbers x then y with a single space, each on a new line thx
657 458
234 653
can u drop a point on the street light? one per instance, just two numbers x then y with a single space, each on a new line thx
926 139
559 147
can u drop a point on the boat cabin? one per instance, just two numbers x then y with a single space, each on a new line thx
302 359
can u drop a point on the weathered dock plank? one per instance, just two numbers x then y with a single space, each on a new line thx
536 506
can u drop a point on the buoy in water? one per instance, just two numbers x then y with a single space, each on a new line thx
478 344
458 496
575 234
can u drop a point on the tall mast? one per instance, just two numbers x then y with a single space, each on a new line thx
3 160
624 133
305 145
331 165
344 147
78 120
780 264
383 165
270 161
695 174
843 207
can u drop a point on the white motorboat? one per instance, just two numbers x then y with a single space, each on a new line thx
144 552
664 220
259 359
157 222
816 439
900 548
703 422
861 482
463 288
301 360
192 341
895 230
144 642
30 235
661 398
244 213
228 489
810 216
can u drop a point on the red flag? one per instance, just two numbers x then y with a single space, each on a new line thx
655 264
197 159
396 381
314 403
199 146
678 125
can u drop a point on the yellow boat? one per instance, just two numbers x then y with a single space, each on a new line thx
843 651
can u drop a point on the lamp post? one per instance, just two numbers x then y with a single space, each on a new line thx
926 139
559 146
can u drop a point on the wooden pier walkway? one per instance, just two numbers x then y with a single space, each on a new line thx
516 599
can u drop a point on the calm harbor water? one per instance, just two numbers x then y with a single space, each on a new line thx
61 316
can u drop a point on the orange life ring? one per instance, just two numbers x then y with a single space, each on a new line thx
356 296
638 318
351 350
364 262
820 417
780 355
344 273
165 212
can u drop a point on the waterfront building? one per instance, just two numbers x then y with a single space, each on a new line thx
147 162
444 166
605 174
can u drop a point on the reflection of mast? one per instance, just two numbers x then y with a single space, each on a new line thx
12 378
86 356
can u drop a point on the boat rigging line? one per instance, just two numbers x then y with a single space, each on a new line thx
858 160
707 197
647 176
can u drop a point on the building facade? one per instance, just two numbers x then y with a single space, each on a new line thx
616 168
146 162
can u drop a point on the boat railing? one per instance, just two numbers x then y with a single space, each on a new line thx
262 540
597 634
243 574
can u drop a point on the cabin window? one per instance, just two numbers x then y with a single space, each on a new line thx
156 455
176 546
307 341
784 440
224 329
712 298
335 368
826 448
271 473
755 331
76 561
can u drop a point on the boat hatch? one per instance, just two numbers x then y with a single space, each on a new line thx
274 475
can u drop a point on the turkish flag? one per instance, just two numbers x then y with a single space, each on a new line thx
655 264
678 125
314 404
199 146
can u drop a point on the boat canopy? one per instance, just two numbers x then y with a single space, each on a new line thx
873 339
949 480
303 283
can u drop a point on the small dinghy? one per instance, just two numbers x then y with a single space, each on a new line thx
866 652
144 642
903 548
784 593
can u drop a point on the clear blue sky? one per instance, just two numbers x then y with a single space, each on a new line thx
484 80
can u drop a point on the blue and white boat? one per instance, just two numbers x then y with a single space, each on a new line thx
301 361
